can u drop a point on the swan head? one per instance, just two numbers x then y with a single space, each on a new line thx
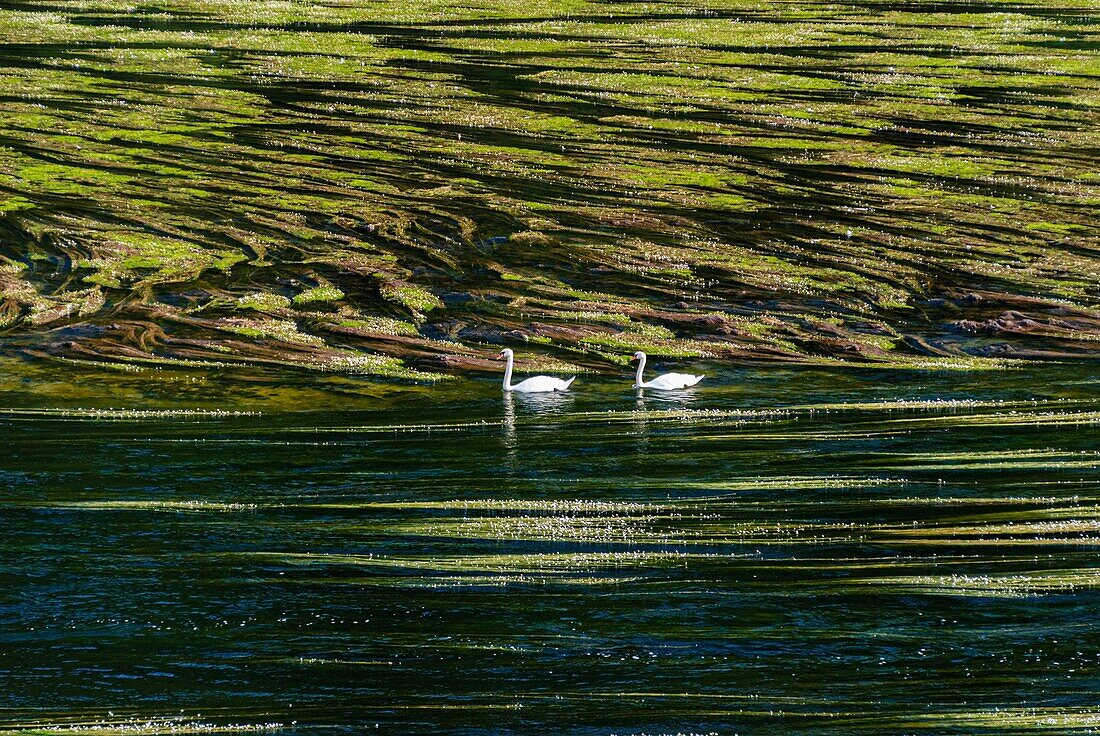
505 353
638 356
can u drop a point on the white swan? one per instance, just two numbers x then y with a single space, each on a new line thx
666 382
534 385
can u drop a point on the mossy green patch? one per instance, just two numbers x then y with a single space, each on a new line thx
784 164
262 301
323 293
417 300
380 325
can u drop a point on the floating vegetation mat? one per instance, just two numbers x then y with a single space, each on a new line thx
109 726
830 557
386 189
119 414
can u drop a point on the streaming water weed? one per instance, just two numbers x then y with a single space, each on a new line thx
908 187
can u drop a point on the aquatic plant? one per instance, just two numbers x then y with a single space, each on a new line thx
909 187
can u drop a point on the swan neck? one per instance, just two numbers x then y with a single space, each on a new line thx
508 373
638 375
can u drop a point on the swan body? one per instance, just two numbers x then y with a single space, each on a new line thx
664 382
533 385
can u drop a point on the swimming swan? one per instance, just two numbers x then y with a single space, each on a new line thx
666 382
534 385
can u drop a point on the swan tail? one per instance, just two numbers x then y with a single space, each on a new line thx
570 381
698 378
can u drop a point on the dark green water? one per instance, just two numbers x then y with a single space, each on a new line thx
784 551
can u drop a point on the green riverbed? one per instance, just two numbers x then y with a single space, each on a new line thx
386 187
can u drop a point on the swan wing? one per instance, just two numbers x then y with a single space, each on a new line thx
542 384
672 381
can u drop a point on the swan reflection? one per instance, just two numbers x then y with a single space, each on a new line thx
556 402
509 424
641 425
530 405
650 400
665 399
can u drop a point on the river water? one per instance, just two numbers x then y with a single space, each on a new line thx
783 550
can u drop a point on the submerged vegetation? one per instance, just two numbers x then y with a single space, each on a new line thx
287 183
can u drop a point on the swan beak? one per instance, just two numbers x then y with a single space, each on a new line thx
500 354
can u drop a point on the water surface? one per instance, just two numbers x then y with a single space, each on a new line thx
780 551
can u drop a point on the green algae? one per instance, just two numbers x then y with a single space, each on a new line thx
380 325
415 299
775 165
318 294
261 301
283 330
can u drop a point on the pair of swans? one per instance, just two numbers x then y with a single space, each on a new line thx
547 384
